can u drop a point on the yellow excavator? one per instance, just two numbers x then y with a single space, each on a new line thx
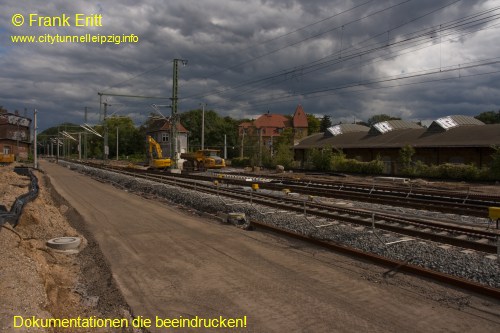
155 155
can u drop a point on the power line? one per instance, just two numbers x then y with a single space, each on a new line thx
420 37
301 68
324 91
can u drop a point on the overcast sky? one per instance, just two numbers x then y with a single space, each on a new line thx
414 59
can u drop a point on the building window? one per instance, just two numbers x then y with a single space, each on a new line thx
164 137
6 150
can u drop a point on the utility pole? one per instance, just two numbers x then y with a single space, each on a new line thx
106 147
260 146
117 143
85 134
203 125
225 147
242 142
174 120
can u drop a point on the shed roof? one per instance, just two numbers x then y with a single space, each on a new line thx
392 125
446 123
345 128
465 136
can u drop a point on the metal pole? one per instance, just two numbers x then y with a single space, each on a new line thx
106 148
225 147
173 123
117 143
173 127
242 142
203 126
260 146
79 146
85 134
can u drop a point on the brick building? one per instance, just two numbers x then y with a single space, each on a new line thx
15 135
269 126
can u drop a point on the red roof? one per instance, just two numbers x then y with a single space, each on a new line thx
272 120
300 118
245 124
164 125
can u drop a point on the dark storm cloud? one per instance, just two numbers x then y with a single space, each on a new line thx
248 57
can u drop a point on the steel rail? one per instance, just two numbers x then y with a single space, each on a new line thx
349 215
394 265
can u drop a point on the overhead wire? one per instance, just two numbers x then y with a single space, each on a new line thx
312 63
417 74
419 35
303 40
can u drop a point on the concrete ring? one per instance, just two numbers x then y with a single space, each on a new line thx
64 243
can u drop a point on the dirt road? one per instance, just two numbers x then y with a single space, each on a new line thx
170 263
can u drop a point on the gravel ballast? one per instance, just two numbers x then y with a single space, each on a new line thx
451 260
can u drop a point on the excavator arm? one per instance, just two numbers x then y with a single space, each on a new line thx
155 155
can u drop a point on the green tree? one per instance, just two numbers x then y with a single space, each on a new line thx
283 155
130 140
405 157
380 117
495 164
489 117
314 124
215 129
322 159
325 123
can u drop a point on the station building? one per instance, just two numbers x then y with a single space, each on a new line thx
452 139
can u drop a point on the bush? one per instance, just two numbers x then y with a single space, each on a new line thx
240 162
342 164
495 164
450 171
283 156
321 159
405 158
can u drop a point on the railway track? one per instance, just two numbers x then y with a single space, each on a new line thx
320 216
404 195
426 229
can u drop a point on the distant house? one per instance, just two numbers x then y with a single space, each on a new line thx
15 135
160 131
269 126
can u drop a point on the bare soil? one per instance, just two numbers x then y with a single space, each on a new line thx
36 280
